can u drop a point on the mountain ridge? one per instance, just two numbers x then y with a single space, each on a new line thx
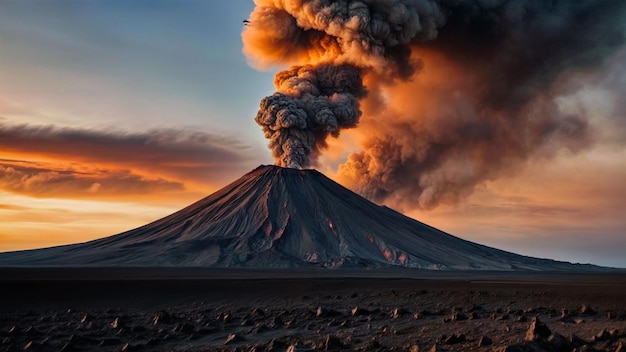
277 217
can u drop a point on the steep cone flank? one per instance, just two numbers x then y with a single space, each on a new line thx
278 217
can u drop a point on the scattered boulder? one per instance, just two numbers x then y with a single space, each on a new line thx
128 347
322 312
356 311
275 345
435 348
537 330
602 336
258 312
224 317
414 348
525 347
119 322
86 318
233 338
454 339
184 328
297 347
161 317
458 316
30 346
398 312
586 310
484 341
577 341
276 322
31 331
566 317
560 343
333 343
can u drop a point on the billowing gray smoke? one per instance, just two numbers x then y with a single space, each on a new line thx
336 41
312 102
459 91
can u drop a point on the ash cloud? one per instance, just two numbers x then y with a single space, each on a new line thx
338 42
312 103
459 92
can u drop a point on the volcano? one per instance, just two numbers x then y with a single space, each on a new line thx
276 217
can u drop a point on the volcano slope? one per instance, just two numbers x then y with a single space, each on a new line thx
276 217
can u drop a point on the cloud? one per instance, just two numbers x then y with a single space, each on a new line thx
459 92
571 209
12 207
181 155
46 181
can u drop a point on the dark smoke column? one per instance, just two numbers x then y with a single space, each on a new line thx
312 102
333 44
459 92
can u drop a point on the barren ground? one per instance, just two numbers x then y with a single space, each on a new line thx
103 309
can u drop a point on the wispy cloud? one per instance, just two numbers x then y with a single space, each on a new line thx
42 181
79 159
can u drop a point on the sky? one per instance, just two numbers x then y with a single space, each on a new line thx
117 113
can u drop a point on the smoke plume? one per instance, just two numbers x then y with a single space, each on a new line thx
312 102
458 91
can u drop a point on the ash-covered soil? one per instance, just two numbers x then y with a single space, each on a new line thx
230 310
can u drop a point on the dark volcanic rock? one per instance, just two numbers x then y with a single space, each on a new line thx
577 341
484 341
525 347
332 343
233 338
586 310
322 312
356 311
162 317
560 343
454 339
435 348
458 316
602 335
398 312
132 347
537 330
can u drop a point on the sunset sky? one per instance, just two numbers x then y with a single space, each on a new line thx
117 113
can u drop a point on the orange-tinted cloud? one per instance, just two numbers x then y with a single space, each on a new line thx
45 180
48 161
571 209
436 138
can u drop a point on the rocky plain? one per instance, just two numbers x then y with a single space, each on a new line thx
180 309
